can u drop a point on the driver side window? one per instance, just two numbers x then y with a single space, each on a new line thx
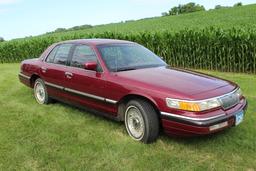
83 54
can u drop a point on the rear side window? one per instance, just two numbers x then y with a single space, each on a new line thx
61 54
82 54
51 56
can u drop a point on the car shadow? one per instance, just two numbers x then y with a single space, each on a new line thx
192 141
87 112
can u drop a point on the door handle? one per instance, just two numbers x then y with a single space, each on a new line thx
43 69
69 75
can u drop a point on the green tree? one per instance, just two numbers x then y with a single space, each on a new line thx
191 7
165 13
238 4
1 39
220 7
175 10
185 8
60 30
86 26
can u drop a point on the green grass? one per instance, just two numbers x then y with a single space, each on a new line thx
61 137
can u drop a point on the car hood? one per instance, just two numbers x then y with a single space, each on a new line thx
176 81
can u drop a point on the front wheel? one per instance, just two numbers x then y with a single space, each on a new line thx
141 121
40 92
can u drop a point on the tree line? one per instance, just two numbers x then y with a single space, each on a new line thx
86 26
1 39
192 7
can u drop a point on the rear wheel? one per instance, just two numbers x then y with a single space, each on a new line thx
141 121
40 92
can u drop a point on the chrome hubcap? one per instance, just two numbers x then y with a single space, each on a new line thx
134 122
39 92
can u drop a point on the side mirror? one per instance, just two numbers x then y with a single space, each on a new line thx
91 65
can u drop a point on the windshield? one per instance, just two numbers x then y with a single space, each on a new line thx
122 57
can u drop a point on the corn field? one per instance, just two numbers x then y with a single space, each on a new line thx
232 50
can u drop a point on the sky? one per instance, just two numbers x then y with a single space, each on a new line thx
21 18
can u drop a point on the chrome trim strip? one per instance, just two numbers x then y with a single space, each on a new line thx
54 85
111 101
84 94
191 118
198 101
24 76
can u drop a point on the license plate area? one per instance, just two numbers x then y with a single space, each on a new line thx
239 117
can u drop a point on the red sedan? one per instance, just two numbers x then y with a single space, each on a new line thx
127 82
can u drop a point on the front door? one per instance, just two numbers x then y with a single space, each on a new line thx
86 87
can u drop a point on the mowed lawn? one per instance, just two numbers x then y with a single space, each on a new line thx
61 137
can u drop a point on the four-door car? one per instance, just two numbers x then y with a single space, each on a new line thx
127 82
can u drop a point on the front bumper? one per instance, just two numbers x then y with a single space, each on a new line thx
176 124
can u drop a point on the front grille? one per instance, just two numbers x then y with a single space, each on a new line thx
229 100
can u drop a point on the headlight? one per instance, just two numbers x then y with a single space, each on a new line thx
193 105
239 93
202 105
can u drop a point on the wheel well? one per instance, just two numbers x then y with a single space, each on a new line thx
33 79
122 104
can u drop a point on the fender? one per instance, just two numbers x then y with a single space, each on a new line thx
135 93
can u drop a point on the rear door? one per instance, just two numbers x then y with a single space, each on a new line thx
87 87
53 70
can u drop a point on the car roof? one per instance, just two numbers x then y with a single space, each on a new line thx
97 41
